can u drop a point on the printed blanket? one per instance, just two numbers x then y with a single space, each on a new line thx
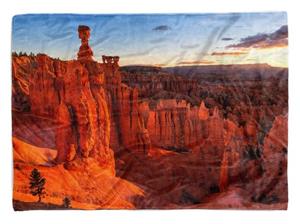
150 111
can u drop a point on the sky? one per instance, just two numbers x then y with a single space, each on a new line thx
158 39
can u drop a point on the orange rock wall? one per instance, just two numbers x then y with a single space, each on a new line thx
127 128
71 94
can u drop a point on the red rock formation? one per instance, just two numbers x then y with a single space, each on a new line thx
234 140
166 124
251 130
216 129
277 138
175 125
85 52
68 94
273 184
127 128
111 71
203 112
86 114
161 85
224 175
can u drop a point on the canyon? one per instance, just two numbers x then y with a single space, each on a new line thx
149 137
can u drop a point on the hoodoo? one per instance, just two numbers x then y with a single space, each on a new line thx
85 52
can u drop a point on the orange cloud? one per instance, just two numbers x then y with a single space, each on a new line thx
198 62
273 44
228 53
277 39
159 65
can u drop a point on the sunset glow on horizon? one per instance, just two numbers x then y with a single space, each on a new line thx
160 40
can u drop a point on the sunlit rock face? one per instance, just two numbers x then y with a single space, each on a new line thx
175 125
166 123
90 110
85 52
71 95
127 128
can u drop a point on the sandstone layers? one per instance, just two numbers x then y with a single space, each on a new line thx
84 100
85 52
226 125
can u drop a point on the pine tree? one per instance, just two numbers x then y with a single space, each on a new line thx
66 202
36 184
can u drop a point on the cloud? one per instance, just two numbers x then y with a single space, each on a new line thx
227 38
228 53
279 38
198 62
161 28
159 65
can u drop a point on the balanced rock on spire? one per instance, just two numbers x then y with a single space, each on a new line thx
85 52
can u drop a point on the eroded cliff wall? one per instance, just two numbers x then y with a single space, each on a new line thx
71 95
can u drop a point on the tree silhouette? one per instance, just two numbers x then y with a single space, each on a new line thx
36 184
67 202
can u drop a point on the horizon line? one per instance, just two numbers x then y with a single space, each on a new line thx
153 65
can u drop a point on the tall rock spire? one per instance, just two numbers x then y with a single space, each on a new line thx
85 52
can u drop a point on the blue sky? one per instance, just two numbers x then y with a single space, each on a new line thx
166 40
